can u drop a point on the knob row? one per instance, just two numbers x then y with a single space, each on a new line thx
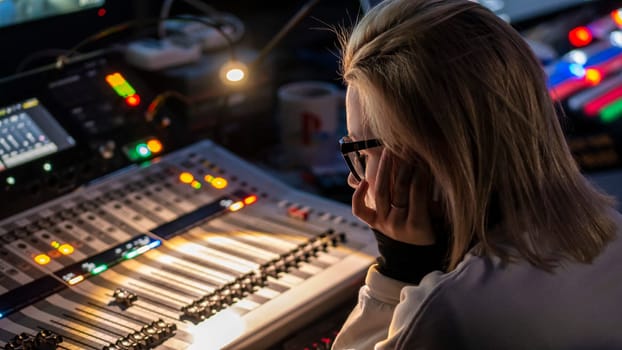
149 337
43 340
244 285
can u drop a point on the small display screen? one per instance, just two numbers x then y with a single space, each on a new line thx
28 132
18 11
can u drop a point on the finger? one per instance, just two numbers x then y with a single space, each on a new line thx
403 182
383 184
359 208
418 200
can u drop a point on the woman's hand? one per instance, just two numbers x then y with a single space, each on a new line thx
401 208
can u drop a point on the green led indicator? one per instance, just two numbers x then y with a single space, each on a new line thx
120 85
131 254
124 90
142 150
47 167
99 269
133 154
196 184
10 180
612 112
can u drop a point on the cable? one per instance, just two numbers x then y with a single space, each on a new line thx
168 4
37 55
156 104
62 59
299 16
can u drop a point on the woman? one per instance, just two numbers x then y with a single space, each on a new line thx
490 238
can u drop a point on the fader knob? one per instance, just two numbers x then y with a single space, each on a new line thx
168 328
157 335
21 341
123 297
47 340
127 344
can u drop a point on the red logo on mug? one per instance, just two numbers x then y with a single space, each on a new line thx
311 124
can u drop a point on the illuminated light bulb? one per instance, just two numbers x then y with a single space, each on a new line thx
577 56
132 100
233 72
219 183
593 76
616 16
186 178
615 38
577 70
580 36
250 199
155 146
66 249
42 259
196 184
236 206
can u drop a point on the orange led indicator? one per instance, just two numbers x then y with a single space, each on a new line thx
76 280
186 177
155 146
250 199
42 259
616 15
196 184
236 206
132 100
115 79
65 249
593 76
208 178
219 183
55 244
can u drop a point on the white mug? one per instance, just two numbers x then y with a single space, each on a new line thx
308 117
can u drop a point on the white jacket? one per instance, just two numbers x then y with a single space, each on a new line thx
485 305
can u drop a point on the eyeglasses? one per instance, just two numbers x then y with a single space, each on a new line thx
350 151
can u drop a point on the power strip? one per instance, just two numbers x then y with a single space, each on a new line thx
152 54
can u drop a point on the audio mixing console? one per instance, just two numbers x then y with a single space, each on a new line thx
196 249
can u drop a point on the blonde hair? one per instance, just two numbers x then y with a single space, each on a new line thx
450 83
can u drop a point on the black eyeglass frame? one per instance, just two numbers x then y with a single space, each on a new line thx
346 147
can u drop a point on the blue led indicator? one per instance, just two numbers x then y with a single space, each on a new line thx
577 70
